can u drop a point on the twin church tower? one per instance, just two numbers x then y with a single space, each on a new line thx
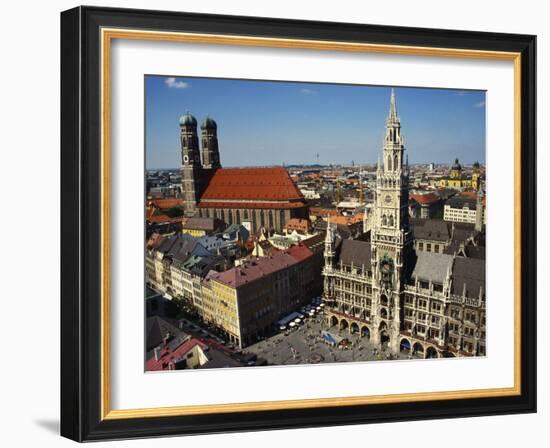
256 197
194 173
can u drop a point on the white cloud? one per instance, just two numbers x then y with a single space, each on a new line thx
480 104
307 91
173 83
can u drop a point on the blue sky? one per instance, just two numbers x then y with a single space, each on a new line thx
271 123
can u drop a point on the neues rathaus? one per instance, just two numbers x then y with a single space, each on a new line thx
408 286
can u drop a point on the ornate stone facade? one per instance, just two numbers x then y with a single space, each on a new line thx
427 303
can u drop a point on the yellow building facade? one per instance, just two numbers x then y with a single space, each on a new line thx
247 301
220 307
459 180
197 233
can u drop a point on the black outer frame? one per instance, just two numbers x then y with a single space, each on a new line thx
80 223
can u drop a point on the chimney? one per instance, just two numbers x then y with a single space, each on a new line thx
167 337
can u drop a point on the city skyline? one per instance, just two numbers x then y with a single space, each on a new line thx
268 123
271 267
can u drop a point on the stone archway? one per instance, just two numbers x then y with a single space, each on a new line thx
344 324
449 355
384 335
333 321
384 300
405 345
383 313
354 328
418 349
431 353
365 332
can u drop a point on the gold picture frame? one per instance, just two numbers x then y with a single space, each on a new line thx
106 31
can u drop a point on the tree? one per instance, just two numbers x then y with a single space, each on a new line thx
174 212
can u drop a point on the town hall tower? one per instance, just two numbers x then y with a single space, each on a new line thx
391 238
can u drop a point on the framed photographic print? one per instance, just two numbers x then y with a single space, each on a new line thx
275 224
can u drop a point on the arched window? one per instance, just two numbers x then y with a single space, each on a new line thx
395 164
270 219
391 221
238 220
389 163
245 214
384 220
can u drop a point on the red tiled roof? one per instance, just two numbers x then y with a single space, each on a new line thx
319 211
256 184
166 203
339 219
256 268
168 356
303 225
299 252
157 219
229 204
347 220
427 198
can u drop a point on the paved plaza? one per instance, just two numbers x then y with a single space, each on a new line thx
305 345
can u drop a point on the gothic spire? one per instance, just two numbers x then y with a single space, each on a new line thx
329 235
393 108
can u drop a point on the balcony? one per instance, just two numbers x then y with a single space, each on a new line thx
339 273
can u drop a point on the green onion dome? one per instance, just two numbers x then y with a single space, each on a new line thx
188 120
208 123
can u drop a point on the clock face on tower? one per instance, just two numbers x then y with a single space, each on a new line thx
387 199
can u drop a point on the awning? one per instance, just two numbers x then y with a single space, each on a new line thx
331 338
286 320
